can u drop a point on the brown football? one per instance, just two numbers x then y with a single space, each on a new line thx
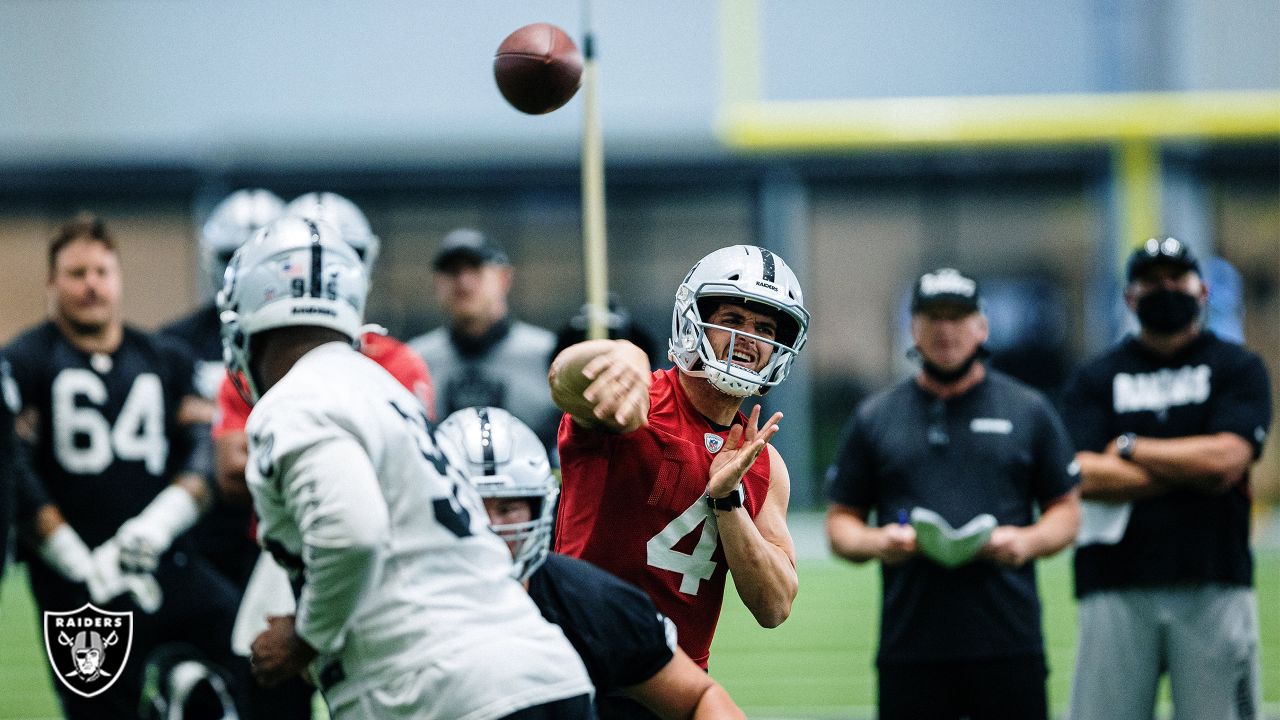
538 68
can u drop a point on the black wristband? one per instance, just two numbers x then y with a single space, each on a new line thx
728 502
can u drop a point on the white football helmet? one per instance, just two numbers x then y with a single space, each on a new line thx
503 458
343 214
231 224
749 275
293 272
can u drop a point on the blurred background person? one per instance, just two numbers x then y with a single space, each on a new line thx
960 440
224 534
121 459
230 224
485 356
1168 423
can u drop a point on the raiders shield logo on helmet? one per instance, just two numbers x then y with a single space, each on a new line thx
713 442
88 647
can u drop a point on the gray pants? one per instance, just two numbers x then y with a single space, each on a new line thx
1205 637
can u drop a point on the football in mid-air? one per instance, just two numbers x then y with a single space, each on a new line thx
538 68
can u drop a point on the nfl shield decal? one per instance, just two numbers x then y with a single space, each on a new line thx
713 442
88 647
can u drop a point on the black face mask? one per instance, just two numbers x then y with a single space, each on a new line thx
946 377
1167 311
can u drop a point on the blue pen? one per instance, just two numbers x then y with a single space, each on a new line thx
902 516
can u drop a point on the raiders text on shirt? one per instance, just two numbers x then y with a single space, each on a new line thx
1162 389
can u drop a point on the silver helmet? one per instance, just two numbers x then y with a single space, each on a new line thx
503 458
342 214
750 275
231 224
293 272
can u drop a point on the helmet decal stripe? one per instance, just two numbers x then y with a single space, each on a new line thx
486 442
317 260
767 257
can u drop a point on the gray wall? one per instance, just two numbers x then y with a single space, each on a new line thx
220 84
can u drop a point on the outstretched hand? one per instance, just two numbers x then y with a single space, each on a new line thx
741 448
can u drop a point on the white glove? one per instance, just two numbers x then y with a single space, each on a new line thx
65 552
108 581
148 535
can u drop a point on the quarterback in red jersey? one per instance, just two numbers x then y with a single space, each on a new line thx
666 483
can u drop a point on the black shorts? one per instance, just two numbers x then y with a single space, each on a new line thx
992 689
575 708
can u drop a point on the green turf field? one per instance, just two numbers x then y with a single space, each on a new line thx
816 665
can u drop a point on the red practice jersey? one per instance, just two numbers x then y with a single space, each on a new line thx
633 505
394 356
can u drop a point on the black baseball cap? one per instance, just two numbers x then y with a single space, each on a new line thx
469 244
1157 251
945 286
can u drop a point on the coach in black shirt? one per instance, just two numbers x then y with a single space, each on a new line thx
960 440
1167 424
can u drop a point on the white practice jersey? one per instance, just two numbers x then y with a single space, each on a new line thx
389 551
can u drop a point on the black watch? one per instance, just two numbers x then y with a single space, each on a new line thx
728 502
1124 445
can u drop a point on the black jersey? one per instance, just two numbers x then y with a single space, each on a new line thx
999 448
201 332
1208 387
108 438
613 625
